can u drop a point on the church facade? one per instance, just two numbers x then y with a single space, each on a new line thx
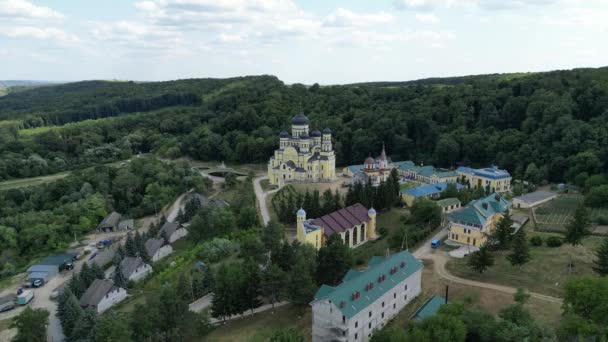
302 156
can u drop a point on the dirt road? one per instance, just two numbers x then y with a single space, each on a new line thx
440 258
261 196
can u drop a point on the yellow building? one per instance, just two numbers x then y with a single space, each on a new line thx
355 225
302 157
473 224
491 179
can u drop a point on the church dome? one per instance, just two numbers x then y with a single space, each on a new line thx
369 160
301 212
284 134
299 119
315 133
327 131
371 212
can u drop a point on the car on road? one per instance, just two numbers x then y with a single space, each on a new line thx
37 283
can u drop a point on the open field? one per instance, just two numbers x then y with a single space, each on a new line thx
260 326
23 182
408 185
553 216
391 220
546 273
486 299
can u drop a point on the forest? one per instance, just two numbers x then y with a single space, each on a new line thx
556 121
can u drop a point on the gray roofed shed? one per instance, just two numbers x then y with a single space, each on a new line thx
169 228
129 265
95 293
110 222
153 245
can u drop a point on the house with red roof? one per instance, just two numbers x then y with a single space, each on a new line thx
355 225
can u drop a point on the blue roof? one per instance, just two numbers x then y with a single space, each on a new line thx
429 189
430 308
488 172
357 281
404 165
355 168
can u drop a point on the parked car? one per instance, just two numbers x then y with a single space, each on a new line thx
37 283
25 297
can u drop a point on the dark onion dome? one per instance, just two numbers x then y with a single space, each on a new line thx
315 133
299 119
369 160
284 134
327 131
304 135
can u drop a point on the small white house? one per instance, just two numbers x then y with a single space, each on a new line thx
173 231
102 294
157 249
366 300
134 269
533 199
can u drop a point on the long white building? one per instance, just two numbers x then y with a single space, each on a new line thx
366 300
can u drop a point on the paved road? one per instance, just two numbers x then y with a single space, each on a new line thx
440 259
201 303
261 196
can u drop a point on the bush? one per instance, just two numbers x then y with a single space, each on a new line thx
602 220
536 241
554 241
383 231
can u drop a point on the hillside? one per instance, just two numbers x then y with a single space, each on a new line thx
551 125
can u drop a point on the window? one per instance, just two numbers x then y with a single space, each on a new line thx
405 287
356 324
394 295
356 335
370 314
355 236
343 319
369 326
347 239
405 297
362 232
383 315
382 304
394 305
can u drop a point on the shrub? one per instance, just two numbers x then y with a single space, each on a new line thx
536 241
554 241
383 231
601 220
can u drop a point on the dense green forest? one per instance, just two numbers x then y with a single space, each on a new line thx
557 121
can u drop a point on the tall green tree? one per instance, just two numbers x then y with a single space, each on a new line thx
274 281
250 287
600 264
84 329
578 227
504 231
113 328
31 325
334 260
286 335
481 260
301 287
272 235
520 251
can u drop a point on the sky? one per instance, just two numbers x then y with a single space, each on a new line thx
314 41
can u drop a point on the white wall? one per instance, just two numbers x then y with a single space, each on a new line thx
111 298
140 273
162 253
178 234
327 315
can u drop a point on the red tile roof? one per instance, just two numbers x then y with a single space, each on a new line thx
343 219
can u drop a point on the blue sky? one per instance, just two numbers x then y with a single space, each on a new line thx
328 42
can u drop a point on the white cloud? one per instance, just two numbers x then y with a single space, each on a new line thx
343 17
48 33
427 18
427 5
23 9
136 35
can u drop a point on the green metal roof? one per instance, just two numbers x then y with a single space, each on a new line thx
475 213
430 308
447 202
376 268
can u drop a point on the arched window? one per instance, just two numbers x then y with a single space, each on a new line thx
347 238
362 232
355 236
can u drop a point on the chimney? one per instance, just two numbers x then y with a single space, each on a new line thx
497 198
485 205
446 293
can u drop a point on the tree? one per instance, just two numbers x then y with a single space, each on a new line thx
578 227
440 328
600 264
70 312
532 174
481 260
274 280
272 235
130 246
253 248
521 296
301 287
113 328
119 277
31 325
250 286
520 253
504 231
286 335
84 329
447 150
334 260
426 212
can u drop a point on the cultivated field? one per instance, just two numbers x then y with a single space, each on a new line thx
553 216
23 182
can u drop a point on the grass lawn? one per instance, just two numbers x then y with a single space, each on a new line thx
23 182
546 273
266 186
408 185
261 326
488 300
